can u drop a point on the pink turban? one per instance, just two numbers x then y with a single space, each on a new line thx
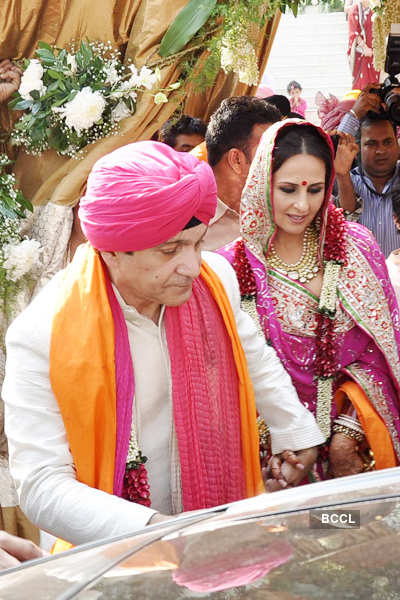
143 194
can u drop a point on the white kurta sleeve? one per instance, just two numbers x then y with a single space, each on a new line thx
40 460
291 425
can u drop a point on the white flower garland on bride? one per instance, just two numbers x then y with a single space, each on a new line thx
74 98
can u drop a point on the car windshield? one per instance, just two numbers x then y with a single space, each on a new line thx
275 547
268 557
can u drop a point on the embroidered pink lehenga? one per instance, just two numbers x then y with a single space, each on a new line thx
365 341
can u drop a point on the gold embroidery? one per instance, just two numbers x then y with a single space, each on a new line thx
365 299
297 310
375 393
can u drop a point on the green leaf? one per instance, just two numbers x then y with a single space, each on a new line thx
52 87
54 74
186 24
23 105
46 46
36 107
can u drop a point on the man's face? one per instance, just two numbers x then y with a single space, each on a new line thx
379 149
185 142
160 275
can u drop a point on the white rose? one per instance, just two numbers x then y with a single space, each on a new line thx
20 258
32 80
71 62
147 78
84 110
121 111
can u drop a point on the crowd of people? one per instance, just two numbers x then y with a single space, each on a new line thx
215 318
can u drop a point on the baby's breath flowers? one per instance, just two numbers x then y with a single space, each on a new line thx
73 98
18 256
238 55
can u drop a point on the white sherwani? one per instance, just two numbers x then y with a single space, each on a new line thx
40 459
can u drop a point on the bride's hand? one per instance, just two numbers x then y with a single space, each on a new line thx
344 457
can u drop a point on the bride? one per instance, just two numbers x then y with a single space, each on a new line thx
318 286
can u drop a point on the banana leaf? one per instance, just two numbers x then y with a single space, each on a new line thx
186 24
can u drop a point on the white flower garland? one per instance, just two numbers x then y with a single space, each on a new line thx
327 305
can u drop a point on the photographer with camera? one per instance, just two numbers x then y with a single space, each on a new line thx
366 189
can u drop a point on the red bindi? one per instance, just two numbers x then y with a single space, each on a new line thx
304 183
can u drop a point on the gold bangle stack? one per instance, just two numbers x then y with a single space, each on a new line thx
350 433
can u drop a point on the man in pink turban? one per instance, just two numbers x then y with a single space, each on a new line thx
128 392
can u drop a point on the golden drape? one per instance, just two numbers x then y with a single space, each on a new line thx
136 27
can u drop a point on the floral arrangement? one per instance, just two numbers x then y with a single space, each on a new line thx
73 98
18 256
227 30
334 257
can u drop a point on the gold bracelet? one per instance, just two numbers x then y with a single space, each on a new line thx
263 432
350 433
369 463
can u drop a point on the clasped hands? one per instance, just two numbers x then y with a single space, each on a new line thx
288 468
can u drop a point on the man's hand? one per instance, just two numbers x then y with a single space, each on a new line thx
346 152
289 468
344 457
367 101
14 550
10 79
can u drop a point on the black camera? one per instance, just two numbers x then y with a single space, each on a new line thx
392 67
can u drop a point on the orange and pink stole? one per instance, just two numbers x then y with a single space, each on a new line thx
214 410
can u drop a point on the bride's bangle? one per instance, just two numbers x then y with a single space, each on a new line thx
358 436
350 422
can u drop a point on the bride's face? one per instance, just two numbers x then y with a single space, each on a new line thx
298 192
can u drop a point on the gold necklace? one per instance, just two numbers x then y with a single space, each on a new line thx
306 268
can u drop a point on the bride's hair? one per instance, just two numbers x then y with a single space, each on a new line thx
302 139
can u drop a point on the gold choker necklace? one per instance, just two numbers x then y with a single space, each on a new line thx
306 268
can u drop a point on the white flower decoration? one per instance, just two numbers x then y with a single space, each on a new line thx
84 110
32 80
238 55
21 258
134 79
71 62
147 78
111 72
160 98
121 111
125 91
